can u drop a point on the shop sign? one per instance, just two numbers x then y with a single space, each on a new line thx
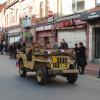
43 28
79 22
64 24
14 32
68 17
90 15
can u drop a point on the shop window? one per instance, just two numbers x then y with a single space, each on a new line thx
78 5
97 42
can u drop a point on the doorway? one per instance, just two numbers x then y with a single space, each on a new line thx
97 42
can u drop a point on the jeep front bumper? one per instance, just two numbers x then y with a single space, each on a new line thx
59 72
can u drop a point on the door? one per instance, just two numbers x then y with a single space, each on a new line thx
97 42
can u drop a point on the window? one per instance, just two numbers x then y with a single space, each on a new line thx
78 5
17 15
41 9
98 2
59 7
47 8
6 20
12 17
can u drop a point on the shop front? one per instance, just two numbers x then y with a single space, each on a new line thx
44 34
93 19
13 35
73 31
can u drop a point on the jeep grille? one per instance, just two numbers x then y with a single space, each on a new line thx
60 62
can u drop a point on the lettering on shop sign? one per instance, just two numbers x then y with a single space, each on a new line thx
48 27
93 15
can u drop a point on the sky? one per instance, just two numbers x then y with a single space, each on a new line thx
2 1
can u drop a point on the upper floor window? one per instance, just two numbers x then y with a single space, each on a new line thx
6 19
59 7
12 17
47 7
16 15
78 5
41 9
98 2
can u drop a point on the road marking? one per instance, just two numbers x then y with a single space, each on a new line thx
91 77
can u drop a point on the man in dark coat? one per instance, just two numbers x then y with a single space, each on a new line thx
1 48
82 57
76 50
63 44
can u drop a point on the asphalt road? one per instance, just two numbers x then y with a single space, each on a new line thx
12 87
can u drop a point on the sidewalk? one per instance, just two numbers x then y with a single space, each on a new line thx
92 69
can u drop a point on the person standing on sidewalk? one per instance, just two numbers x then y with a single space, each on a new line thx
1 47
76 50
82 62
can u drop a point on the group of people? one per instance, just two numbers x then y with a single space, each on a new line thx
80 52
10 49
63 45
3 48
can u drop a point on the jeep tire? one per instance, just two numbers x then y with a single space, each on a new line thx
72 78
41 75
22 72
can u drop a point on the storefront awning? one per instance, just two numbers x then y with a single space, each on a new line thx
90 16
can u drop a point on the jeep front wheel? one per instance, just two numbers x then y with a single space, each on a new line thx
22 72
72 78
41 75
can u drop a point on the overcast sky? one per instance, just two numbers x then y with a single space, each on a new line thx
2 1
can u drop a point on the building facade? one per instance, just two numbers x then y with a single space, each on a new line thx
92 17
2 22
56 19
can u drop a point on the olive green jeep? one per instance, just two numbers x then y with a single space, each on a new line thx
48 63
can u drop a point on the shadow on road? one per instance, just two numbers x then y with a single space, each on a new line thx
58 82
